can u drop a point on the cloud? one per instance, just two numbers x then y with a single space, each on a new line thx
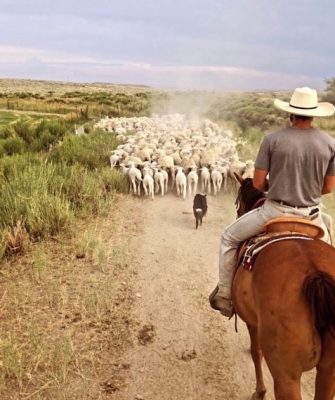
207 43
43 64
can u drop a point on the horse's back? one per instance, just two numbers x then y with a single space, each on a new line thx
272 298
281 267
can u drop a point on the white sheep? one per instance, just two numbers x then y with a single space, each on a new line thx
181 183
172 140
224 169
135 177
166 179
159 181
216 177
114 160
148 183
192 181
205 178
167 163
236 167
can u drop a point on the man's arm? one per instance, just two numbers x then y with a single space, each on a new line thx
259 181
328 184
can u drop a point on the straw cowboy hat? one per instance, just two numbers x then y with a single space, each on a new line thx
304 101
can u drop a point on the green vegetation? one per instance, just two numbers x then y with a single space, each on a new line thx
91 151
48 176
78 106
250 110
7 118
64 263
329 94
60 327
27 136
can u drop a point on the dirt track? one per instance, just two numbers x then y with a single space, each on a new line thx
184 350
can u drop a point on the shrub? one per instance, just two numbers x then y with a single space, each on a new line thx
23 130
43 142
80 186
13 145
7 132
87 190
26 196
91 151
113 180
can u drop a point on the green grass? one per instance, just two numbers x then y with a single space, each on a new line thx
8 118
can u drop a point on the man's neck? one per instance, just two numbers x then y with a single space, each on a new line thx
302 124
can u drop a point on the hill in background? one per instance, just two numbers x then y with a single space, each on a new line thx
58 87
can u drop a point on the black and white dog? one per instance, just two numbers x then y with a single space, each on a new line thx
199 208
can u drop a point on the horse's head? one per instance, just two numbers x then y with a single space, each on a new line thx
248 197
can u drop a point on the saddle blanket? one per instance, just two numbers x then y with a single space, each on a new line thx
253 246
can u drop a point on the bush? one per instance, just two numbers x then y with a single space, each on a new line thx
13 145
91 151
87 190
25 197
24 131
7 132
38 199
113 180
248 110
82 188
43 142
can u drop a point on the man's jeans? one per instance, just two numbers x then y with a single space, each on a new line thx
251 224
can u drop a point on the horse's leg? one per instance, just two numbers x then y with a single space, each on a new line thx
325 377
287 388
286 350
286 377
257 356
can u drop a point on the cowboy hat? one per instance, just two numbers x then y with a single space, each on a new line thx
304 101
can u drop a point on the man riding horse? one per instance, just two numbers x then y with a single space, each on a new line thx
299 162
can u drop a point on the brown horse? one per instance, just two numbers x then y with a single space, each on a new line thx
288 304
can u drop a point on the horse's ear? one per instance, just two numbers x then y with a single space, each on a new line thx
239 178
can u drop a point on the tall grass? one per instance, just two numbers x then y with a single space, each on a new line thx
81 106
23 358
91 151
25 196
26 136
39 198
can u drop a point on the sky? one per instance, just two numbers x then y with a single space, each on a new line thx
185 44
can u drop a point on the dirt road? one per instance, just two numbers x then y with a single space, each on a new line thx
184 350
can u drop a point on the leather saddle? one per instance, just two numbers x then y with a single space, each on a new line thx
277 229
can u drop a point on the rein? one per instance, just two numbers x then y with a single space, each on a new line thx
259 203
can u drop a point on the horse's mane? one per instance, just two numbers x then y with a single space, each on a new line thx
248 195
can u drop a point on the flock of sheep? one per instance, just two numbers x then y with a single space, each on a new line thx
187 151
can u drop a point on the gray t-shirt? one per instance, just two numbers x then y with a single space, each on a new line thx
298 161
